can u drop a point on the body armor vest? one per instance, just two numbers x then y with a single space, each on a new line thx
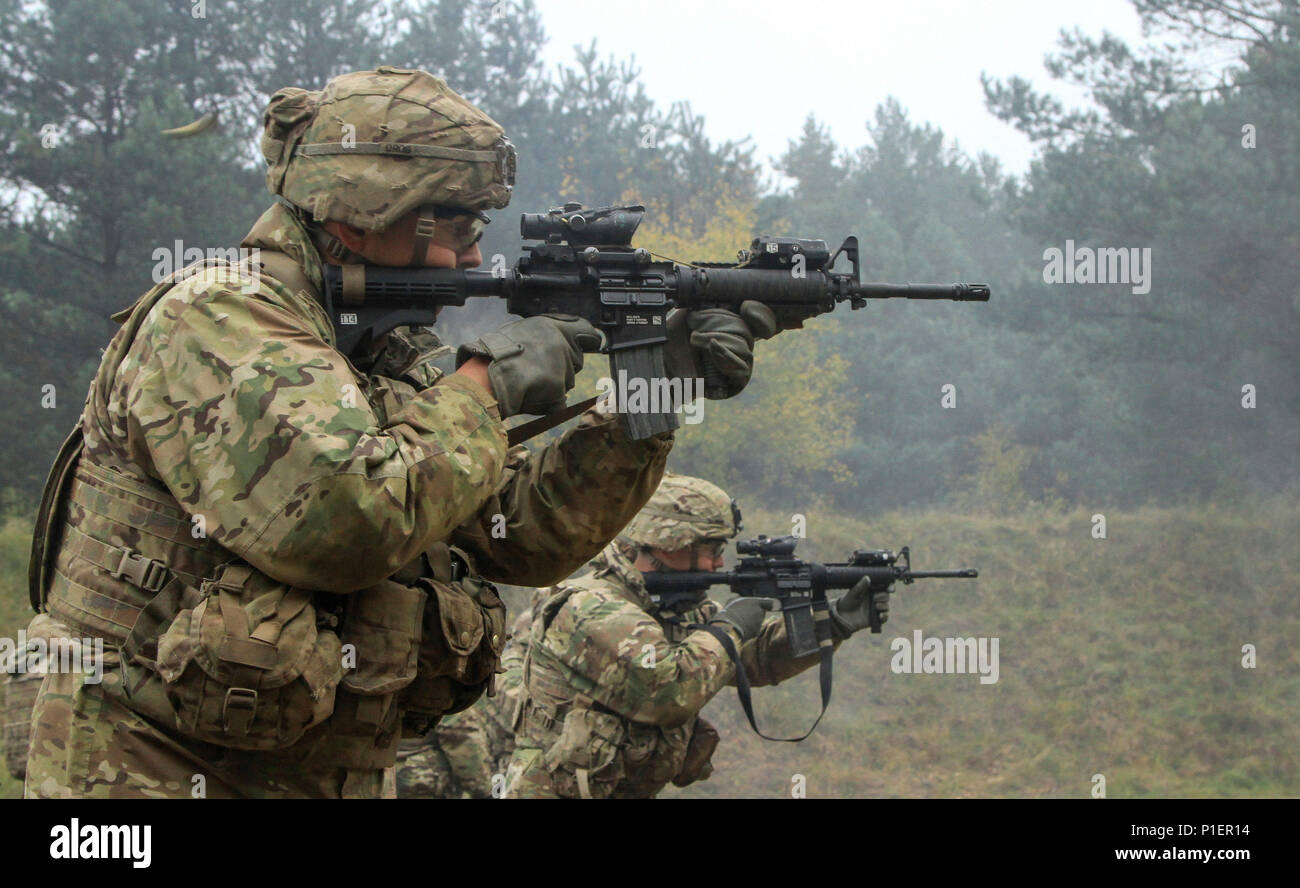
589 750
219 652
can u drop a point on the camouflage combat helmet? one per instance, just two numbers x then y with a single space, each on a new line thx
372 146
683 512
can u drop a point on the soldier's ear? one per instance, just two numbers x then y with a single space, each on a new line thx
351 236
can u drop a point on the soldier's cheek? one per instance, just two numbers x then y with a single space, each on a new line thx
471 258
438 256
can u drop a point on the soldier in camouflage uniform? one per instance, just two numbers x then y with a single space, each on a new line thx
466 754
286 549
19 693
614 683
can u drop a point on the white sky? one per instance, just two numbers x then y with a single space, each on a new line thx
757 67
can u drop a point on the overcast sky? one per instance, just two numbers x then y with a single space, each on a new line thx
756 67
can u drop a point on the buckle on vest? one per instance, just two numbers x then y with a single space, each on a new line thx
237 712
533 712
148 574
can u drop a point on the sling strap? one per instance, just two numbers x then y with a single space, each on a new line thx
821 614
535 427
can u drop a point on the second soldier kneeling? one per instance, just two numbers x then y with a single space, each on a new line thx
613 684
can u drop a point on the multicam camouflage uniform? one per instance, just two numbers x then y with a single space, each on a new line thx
19 693
613 685
466 754
223 428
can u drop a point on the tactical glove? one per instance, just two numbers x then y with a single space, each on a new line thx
746 614
725 338
854 610
534 361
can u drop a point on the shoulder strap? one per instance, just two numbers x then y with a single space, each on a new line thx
284 269
56 485
550 608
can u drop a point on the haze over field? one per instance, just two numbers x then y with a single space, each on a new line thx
1135 208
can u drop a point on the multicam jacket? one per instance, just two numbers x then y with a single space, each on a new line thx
613 688
330 479
239 433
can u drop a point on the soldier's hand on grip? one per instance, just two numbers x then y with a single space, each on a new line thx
746 614
852 611
763 322
724 338
533 361
760 319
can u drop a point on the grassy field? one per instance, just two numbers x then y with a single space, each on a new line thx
1120 657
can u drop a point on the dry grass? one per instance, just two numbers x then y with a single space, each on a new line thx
1119 656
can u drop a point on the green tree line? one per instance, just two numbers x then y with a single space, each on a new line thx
1070 393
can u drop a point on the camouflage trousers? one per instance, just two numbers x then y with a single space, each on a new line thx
527 777
85 744
19 695
459 758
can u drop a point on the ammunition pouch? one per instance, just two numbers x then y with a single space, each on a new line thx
698 764
464 633
381 643
585 761
597 752
247 666
653 756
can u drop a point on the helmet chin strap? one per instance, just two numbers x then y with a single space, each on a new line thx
326 243
654 560
425 224
331 246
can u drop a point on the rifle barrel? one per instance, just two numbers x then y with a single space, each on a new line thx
845 576
953 292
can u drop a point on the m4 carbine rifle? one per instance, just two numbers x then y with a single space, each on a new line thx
768 569
584 264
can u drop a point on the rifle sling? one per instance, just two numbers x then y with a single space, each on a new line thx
742 679
534 427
